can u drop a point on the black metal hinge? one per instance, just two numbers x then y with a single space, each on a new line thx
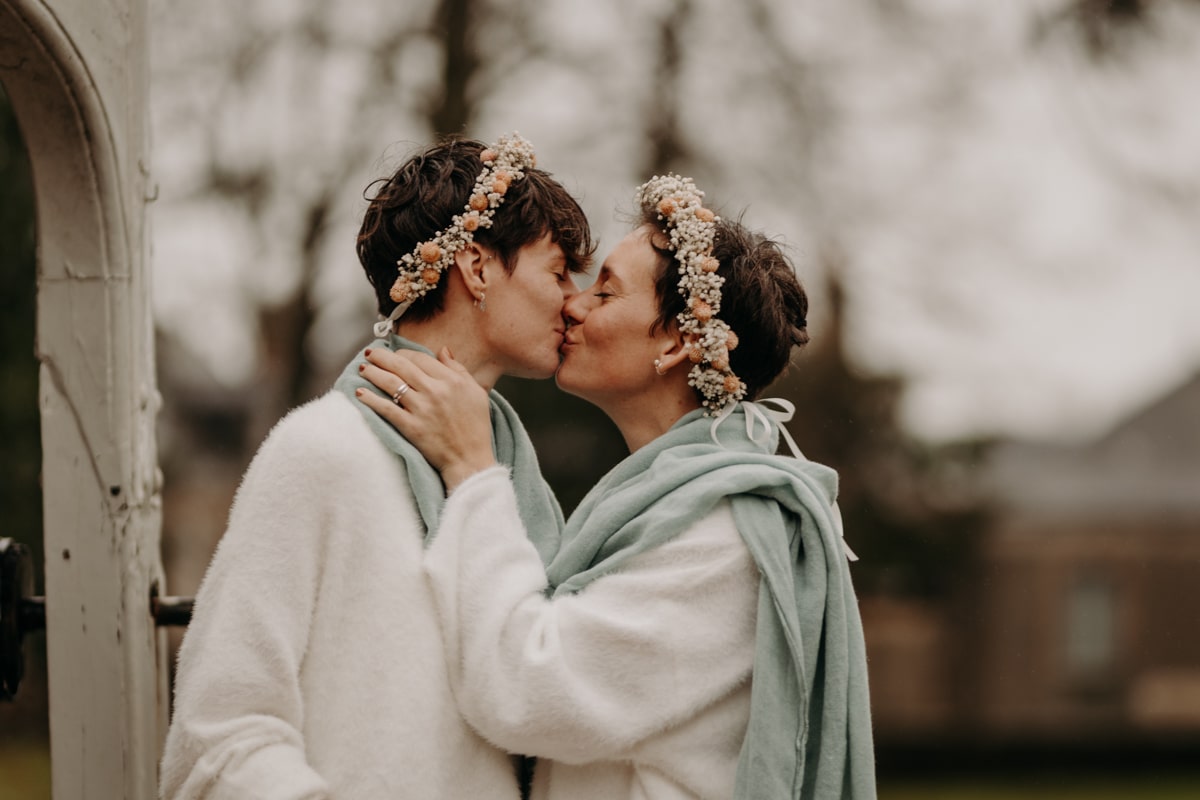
21 612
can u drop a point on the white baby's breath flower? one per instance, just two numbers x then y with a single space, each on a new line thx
503 164
691 230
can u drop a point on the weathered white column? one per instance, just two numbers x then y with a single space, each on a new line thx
75 71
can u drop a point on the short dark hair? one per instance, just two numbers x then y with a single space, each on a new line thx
762 300
420 197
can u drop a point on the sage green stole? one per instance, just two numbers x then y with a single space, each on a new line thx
510 443
809 734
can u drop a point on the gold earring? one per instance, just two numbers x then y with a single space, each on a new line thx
658 366
481 302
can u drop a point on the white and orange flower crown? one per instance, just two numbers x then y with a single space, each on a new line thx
691 229
504 163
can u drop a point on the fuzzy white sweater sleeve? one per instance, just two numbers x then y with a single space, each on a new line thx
590 676
238 719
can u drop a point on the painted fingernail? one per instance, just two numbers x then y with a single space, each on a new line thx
358 392
362 367
367 352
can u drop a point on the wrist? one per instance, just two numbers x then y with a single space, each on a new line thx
454 474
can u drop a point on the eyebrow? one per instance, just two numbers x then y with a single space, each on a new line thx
606 274
574 266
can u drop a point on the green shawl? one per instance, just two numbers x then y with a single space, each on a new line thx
538 506
809 734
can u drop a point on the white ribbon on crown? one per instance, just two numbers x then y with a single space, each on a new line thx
758 414
384 326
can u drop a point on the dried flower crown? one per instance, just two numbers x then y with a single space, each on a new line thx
503 164
691 229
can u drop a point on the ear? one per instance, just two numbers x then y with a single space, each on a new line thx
470 262
674 350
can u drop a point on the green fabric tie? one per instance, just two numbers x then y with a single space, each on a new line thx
809 734
510 443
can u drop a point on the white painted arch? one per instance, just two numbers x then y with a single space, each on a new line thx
76 74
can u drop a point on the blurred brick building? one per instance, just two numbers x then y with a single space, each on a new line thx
1078 624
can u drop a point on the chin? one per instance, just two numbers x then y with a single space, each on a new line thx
566 389
540 370
565 383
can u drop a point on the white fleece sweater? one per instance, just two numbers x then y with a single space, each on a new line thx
314 664
636 687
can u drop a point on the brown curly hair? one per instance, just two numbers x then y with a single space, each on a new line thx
420 197
762 300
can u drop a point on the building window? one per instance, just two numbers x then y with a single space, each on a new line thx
1091 626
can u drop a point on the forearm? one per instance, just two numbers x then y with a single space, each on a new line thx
443 411
238 760
585 676
238 718
236 727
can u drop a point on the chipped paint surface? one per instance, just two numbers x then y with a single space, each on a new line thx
75 72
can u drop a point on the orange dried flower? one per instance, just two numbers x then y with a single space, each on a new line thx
702 311
499 185
720 363
487 156
732 384
667 207
710 264
731 341
695 354
470 221
705 215
479 202
430 276
430 253
399 291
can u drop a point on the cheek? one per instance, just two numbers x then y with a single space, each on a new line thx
540 297
610 336
556 296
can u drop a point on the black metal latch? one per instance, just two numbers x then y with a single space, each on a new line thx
19 613
22 613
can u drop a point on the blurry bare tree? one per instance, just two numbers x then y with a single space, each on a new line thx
1102 24
922 159
577 444
667 151
864 146
293 190
911 508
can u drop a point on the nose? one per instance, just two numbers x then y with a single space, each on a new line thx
569 288
575 308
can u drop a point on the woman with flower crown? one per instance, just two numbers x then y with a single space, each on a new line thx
696 633
313 666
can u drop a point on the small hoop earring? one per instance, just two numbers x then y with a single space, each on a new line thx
658 366
481 302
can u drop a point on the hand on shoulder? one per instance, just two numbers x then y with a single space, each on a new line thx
437 405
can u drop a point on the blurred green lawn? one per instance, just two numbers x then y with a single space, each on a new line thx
1066 786
25 775
24 771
